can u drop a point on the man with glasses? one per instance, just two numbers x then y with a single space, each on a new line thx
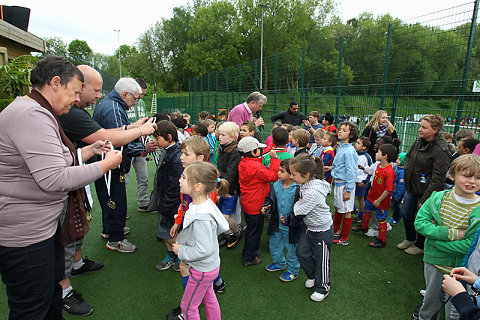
291 116
110 113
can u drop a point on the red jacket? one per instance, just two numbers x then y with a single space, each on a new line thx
254 182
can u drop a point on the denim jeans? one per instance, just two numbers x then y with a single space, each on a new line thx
409 212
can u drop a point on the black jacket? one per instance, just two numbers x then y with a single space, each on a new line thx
431 158
228 159
370 133
289 117
294 224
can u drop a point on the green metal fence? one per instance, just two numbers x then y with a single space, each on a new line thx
409 68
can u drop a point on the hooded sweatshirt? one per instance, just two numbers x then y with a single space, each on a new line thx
201 226
312 205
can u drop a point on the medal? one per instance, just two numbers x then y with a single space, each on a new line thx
122 178
108 180
111 204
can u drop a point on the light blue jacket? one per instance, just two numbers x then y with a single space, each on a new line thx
345 165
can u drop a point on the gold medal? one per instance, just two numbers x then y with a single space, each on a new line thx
111 204
122 178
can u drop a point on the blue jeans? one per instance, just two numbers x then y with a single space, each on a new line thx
409 212
396 206
32 275
279 242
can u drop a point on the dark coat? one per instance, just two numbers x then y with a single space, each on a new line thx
228 159
370 133
431 158
289 117
295 225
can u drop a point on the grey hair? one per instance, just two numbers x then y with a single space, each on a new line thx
127 85
256 97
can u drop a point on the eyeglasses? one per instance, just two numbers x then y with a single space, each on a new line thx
134 98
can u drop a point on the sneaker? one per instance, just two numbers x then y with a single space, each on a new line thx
88 266
414 251
256 260
223 241
310 283
377 244
74 304
371 233
143 209
233 241
123 246
287 277
405 244
126 230
357 220
176 266
342 241
220 289
422 292
393 221
359 228
317 296
389 227
166 263
127 217
337 237
273 267
416 314
174 314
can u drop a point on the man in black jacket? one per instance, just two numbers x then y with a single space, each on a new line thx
291 116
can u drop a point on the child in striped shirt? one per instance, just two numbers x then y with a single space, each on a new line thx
448 219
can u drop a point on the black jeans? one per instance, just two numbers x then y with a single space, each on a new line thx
253 235
31 275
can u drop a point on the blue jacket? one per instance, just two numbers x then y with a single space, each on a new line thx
345 165
398 184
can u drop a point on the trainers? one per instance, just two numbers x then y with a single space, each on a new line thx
393 221
176 314
256 260
416 314
166 263
176 266
337 236
220 288
273 267
287 277
122 246
414 251
359 228
389 227
371 233
74 304
310 283
143 209
317 296
341 241
233 241
422 292
126 230
88 266
377 244
223 241
405 244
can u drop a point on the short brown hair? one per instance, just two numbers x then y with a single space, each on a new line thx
288 127
365 141
203 114
315 114
208 122
353 130
198 145
435 120
467 164
464 133
332 137
302 136
250 124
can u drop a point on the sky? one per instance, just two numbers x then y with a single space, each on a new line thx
95 20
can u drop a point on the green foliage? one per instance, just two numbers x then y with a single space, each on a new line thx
15 76
79 52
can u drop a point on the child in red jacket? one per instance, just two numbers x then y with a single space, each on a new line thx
254 181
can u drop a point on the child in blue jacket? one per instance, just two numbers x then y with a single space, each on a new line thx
398 190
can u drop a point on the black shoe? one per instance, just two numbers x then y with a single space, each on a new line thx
256 260
74 304
377 244
223 241
359 228
174 314
233 240
337 236
221 288
88 266
143 209
416 314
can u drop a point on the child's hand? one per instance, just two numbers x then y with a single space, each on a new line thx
264 209
452 286
361 184
461 234
272 154
346 196
327 168
174 230
361 167
282 219
464 274
175 247
376 203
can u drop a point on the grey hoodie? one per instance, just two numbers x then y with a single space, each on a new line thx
312 205
201 226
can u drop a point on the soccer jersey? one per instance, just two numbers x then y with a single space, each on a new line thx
327 155
383 180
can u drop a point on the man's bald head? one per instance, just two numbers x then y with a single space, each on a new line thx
91 86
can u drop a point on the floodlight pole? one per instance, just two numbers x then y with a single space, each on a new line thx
118 40
261 5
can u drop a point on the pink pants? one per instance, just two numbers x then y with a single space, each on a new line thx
200 290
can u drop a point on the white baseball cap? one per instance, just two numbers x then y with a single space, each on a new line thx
248 144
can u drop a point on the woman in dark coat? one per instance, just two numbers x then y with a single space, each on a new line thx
378 127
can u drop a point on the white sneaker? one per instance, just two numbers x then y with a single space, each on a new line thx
309 283
126 230
422 292
316 296
371 233
389 227
122 246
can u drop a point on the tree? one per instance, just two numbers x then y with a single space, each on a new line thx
55 46
80 52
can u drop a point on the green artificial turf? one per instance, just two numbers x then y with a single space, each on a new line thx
366 283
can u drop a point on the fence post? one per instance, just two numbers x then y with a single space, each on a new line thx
255 87
385 69
208 90
395 99
194 104
306 100
471 37
339 81
189 95
239 80
276 85
303 79
216 90
226 90
201 92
